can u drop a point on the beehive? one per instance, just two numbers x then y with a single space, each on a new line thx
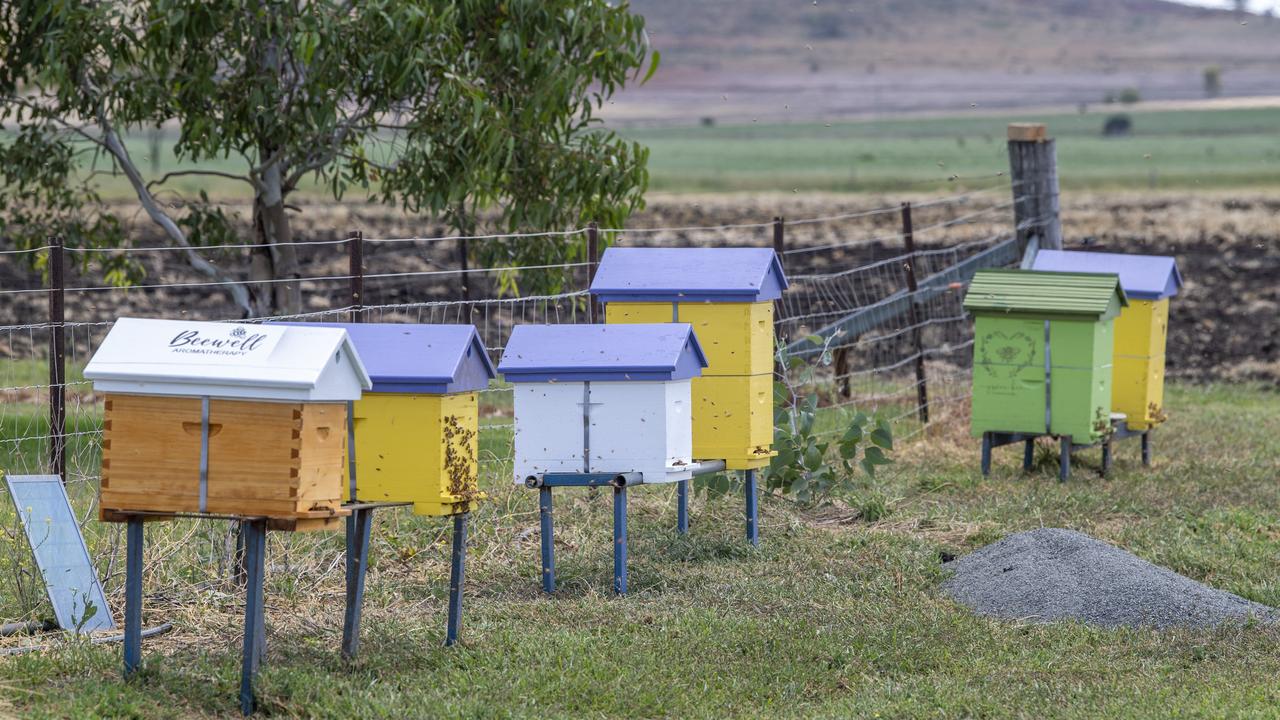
261 408
416 433
603 399
1030 327
727 295
1139 358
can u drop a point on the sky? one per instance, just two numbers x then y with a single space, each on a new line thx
1254 5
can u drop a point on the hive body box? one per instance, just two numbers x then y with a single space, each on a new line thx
1139 360
416 433
275 424
1015 313
619 393
727 295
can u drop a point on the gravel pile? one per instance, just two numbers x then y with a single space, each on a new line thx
1051 574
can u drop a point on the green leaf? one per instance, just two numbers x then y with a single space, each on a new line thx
876 456
654 60
883 437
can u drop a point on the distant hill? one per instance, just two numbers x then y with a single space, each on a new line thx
723 58
1100 35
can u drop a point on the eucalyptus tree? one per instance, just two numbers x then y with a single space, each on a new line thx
446 108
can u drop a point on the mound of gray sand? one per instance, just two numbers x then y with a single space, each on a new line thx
1051 574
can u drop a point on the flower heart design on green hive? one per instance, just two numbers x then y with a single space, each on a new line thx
1016 350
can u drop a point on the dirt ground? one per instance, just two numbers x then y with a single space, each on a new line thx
1223 326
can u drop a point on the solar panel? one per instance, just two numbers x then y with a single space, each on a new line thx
60 552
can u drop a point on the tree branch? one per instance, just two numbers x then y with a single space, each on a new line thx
117 149
215 173
315 161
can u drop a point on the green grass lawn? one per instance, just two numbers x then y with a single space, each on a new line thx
1167 149
833 616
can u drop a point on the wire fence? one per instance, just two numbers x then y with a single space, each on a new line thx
840 263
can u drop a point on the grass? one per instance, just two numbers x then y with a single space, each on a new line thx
1198 149
832 616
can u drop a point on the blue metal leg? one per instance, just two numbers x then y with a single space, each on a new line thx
620 540
457 570
1146 449
133 596
1106 457
1064 458
1028 454
986 454
359 524
255 549
548 540
682 507
753 508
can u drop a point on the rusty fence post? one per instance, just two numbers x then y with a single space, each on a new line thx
57 359
464 277
355 271
594 311
913 315
780 248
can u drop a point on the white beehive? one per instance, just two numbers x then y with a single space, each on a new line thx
603 399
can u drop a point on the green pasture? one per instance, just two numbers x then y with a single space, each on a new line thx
1167 149
833 616
1187 149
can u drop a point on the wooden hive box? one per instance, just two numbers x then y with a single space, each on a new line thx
416 433
1022 317
603 398
262 408
727 295
1141 329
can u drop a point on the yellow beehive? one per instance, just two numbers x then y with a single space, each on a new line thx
1138 377
225 419
726 294
736 337
1137 388
416 434
417 448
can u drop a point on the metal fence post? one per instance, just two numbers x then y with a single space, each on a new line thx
1033 165
355 259
57 359
593 262
779 248
779 237
913 315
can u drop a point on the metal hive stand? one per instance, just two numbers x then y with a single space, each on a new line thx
255 545
620 482
359 525
1119 431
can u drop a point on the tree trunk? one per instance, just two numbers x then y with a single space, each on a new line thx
275 259
272 262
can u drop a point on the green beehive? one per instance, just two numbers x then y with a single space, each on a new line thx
1031 325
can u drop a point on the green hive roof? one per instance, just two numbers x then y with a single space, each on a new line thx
1045 294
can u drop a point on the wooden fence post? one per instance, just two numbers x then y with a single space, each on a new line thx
355 271
593 262
913 316
57 359
1033 165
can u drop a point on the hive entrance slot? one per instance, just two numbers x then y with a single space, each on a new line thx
193 428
